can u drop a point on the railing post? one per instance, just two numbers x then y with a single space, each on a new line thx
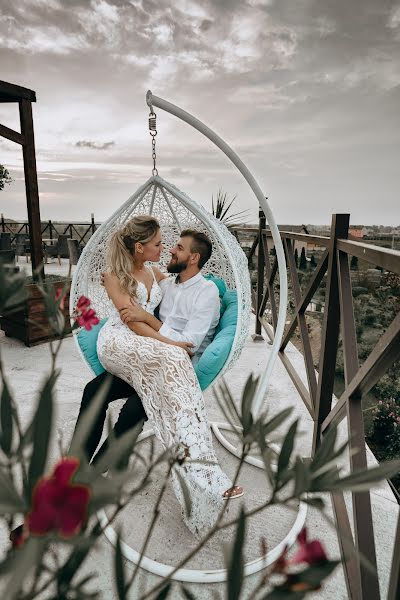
93 225
330 330
3 225
260 274
31 186
51 231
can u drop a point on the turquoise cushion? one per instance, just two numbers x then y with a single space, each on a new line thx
220 283
87 341
215 355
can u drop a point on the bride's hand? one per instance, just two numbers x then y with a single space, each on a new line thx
186 346
133 313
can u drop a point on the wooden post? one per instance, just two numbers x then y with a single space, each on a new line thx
93 225
31 185
257 337
3 225
330 330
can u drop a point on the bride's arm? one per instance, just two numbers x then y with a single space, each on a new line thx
122 299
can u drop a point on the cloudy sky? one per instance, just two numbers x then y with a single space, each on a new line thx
306 91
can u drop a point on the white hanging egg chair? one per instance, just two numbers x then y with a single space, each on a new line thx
175 212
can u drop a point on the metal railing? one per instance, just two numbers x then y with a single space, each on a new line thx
317 395
51 231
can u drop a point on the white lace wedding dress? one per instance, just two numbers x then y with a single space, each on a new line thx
165 380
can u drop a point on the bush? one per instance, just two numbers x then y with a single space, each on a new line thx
386 426
358 291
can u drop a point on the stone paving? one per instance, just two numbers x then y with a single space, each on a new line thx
25 369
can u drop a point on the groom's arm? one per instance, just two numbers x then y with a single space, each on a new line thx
206 309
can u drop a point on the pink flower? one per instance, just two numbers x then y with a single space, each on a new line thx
57 504
83 303
87 319
311 553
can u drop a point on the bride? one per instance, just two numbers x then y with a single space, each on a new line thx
160 369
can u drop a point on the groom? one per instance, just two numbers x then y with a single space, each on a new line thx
189 312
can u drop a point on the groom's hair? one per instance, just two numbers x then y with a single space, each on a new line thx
200 243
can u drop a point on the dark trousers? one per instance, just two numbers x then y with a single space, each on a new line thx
131 413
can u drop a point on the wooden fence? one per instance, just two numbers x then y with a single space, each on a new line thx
317 395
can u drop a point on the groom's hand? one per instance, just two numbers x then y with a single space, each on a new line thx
134 313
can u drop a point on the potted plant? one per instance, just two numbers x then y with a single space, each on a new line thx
31 322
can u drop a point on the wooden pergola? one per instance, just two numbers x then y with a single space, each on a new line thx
14 93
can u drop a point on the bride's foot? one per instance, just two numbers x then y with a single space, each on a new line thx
233 492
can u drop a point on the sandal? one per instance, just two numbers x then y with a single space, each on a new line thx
233 493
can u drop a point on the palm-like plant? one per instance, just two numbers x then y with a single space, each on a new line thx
222 206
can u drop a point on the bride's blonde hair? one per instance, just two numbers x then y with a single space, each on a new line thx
121 248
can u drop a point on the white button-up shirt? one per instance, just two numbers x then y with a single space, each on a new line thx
190 311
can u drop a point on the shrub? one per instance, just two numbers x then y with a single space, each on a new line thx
386 426
358 291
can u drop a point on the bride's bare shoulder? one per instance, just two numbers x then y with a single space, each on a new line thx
159 275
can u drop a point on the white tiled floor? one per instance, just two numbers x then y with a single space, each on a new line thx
25 368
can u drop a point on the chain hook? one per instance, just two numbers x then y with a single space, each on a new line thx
152 131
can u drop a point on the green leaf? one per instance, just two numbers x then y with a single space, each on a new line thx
315 574
366 478
287 448
187 593
235 564
277 420
106 490
228 415
302 479
24 561
120 579
42 429
10 501
247 402
315 502
12 291
119 450
325 449
185 491
87 420
6 420
164 592
76 558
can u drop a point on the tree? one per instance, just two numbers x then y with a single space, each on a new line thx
303 260
313 262
4 177
354 263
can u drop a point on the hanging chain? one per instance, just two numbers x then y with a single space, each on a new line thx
153 133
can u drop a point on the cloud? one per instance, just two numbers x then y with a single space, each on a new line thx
94 145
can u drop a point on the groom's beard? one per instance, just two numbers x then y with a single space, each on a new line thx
176 267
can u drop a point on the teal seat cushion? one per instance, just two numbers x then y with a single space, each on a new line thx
87 341
220 283
215 355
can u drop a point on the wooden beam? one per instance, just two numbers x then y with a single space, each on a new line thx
10 134
362 512
10 92
31 184
351 566
382 257
330 331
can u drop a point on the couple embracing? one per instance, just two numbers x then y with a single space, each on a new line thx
151 358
